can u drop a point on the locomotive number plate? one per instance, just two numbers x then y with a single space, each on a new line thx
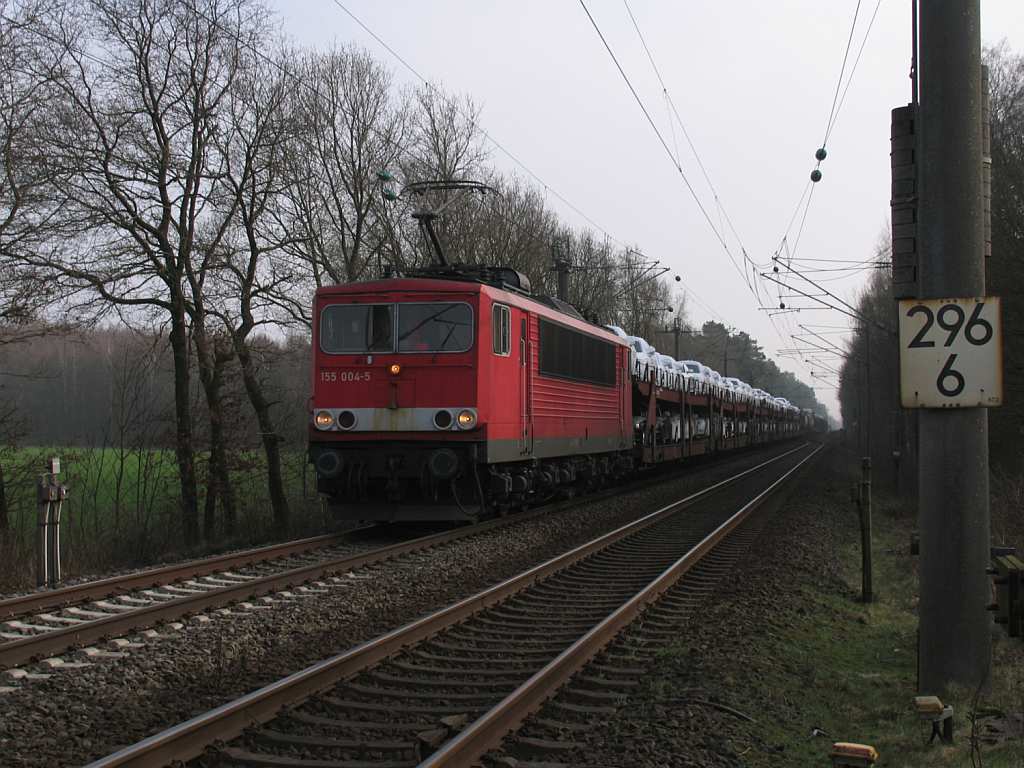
332 376
951 353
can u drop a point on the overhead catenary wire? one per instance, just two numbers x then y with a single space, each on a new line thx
825 328
842 72
402 148
853 314
515 159
696 155
853 69
834 261
483 132
751 284
547 187
823 290
834 110
665 146
531 173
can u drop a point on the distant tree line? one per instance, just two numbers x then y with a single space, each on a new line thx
179 171
736 354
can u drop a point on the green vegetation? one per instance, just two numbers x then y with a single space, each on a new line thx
856 670
784 660
122 507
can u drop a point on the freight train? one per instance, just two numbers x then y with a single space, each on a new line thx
455 393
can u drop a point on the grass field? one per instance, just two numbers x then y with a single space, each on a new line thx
868 653
122 506
812 664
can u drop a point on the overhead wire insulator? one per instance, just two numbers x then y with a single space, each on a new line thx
815 175
821 154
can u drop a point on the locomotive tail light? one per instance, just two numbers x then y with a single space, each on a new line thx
346 419
395 369
467 419
443 419
324 420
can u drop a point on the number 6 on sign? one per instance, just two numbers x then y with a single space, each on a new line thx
951 353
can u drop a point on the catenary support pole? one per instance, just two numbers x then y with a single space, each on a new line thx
954 643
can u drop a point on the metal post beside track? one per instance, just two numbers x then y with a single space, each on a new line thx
866 592
42 533
50 496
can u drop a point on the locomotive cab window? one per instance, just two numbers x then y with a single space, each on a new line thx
435 327
357 328
501 329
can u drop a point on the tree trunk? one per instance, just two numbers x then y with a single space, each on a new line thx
5 521
211 374
210 500
271 441
183 419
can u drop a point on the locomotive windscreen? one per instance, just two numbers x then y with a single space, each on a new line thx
568 354
435 327
422 327
357 328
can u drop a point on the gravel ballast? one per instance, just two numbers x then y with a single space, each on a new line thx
80 714
702 703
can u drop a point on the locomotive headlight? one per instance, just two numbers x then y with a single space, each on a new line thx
395 369
324 420
466 419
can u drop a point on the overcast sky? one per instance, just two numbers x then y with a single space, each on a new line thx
753 83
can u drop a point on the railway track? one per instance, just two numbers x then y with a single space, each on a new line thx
445 689
40 624
44 624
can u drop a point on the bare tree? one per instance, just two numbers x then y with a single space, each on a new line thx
446 141
594 269
28 221
517 229
446 144
642 298
1005 267
261 283
133 146
27 209
352 128
12 427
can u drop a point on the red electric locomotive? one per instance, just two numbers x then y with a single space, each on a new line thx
455 392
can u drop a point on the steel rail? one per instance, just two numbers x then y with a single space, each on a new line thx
190 738
157 577
488 731
15 652
98 589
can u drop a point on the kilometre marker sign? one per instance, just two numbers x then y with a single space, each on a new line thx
951 353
